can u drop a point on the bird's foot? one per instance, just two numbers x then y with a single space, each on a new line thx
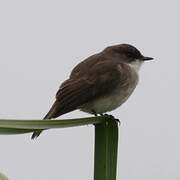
112 117
94 112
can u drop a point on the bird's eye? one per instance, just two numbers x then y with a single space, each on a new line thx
130 55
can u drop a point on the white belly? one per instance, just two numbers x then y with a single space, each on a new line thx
109 102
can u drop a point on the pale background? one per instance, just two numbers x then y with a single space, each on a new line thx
41 41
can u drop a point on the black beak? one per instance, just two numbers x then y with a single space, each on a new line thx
146 58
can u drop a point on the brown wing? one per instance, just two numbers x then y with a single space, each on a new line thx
99 80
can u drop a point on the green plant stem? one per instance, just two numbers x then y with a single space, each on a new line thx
106 145
9 126
106 138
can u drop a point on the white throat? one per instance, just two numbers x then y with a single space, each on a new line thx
136 65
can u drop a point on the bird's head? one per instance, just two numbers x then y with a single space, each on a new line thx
126 53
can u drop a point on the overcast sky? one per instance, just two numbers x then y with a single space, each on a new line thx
41 41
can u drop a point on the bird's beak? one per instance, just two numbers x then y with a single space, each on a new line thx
144 58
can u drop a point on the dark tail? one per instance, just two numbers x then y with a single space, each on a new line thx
54 113
49 115
38 132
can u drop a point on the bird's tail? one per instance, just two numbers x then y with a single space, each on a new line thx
37 132
49 115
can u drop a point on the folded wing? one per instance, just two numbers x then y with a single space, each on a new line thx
74 92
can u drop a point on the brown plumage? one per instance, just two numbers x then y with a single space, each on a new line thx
94 77
75 92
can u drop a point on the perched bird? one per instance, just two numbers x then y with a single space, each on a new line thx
100 83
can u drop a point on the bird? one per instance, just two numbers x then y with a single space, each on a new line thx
100 83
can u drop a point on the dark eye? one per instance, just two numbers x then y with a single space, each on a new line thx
130 55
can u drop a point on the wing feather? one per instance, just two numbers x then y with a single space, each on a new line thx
76 92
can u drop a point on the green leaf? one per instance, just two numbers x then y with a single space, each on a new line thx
106 138
9 126
106 145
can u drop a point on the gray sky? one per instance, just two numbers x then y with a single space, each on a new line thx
41 41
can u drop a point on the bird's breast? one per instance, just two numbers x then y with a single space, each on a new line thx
113 99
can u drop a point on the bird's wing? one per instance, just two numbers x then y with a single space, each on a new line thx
99 80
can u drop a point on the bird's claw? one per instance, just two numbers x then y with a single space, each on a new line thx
112 117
